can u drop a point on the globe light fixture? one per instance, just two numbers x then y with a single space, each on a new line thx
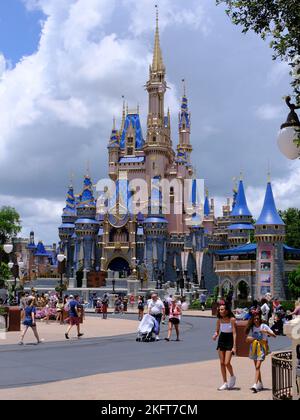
8 248
21 264
289 133
61 258
10 265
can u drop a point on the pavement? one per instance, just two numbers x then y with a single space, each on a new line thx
108 364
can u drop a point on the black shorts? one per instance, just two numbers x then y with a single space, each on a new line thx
225 342
174 321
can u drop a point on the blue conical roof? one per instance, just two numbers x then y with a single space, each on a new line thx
70 209
184 114
87 198
241 207
206 207
269 214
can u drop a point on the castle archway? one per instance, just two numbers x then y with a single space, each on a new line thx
120 265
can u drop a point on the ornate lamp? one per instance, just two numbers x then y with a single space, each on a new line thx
289 133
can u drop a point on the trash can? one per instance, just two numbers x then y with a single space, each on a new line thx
242 348
214 309
14 319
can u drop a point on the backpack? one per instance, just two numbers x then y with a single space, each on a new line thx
141 305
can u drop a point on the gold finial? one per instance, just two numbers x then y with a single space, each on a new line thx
123 114
241 176
114 123
157 64
88 168
269 172
207 192
235 188
71 179
184 87
138 109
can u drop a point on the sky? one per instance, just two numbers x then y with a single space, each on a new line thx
65 64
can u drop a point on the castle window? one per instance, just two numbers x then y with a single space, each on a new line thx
264 227
153 166
154 139
130 140
130 151
276 227
172 191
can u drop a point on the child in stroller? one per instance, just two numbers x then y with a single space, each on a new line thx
147 326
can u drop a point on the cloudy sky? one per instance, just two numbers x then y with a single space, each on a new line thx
65 64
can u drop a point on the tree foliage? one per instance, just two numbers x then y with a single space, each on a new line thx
291 218
10 224
278 20
294 283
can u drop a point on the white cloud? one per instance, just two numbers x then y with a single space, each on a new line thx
278 72
269 112
2 65
193 16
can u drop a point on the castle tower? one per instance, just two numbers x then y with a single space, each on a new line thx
86 228
239 230
158 147
113 152
209 217
270 235
67 230
185 128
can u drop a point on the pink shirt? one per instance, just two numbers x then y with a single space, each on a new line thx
175 311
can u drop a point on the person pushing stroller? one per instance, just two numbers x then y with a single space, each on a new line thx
156 308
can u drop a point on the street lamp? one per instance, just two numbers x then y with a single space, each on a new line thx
14 266
177 279
182 285
113 284
61 258
289 133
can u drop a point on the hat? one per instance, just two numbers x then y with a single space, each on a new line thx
71 297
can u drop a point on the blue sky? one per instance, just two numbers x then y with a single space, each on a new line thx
62 98
19 30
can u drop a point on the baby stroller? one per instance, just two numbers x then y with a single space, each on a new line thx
147 325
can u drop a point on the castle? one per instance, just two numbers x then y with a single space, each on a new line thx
158 246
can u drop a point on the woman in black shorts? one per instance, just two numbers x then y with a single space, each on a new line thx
174 319
226 331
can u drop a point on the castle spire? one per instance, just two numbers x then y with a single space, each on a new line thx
157 63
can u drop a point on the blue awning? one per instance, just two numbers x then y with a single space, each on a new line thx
245 249
241 226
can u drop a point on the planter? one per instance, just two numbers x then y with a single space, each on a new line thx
214 309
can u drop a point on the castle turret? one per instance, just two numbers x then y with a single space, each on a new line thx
270 235
67 229
185 129
114 151
158 147
239 230
86 227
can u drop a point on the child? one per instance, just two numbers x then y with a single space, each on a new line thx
257 335
226 344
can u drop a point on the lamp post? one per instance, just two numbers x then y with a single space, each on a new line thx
113 284
182 285
177 280
289 133
61 258
14 266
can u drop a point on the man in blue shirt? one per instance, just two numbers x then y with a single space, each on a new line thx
74 316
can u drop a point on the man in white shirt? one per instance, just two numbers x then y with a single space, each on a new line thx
156 308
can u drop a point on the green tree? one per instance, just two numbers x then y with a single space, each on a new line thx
278 20
10 226
294 283
291 218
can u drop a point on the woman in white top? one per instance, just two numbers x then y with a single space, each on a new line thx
226 331
257 335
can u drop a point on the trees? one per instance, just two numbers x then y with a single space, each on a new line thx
278 20
9 227
294 283
291 218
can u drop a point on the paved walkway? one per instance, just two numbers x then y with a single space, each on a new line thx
92 327
196 381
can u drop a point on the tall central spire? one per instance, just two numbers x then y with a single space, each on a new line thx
157 64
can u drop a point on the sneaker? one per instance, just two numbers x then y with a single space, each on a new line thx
231 382
177 339
67 337
224 387
157 338
21 343
167 339
259 386
254 388
42 340
80 335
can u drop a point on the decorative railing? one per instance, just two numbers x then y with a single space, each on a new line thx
238 265
282 375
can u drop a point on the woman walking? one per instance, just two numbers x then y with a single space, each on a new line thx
29 321
257 335
226 331
174 318
141 307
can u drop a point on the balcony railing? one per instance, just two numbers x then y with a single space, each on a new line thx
240 265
